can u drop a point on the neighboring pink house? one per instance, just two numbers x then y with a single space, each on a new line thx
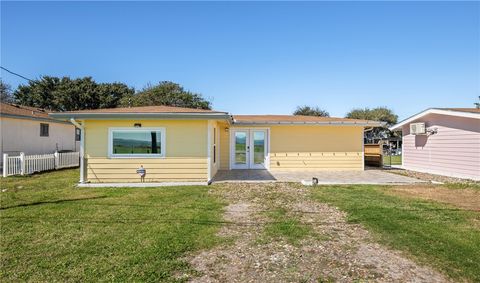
443 141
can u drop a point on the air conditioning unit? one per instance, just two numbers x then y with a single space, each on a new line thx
417 129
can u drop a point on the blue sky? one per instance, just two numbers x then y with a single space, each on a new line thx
258 58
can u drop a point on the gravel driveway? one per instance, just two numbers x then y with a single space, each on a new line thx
338 251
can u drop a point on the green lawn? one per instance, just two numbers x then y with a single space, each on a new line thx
283 226
441 235
53 231
392 160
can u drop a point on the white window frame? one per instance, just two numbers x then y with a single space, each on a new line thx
162 131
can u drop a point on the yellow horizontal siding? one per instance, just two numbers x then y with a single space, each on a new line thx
185 157
154 177
316 139
202 165
316 148
149 171
214 140
316 156
224 136
297 147
184 138
306 162
314 169
291 148
316 160
140 161
158 169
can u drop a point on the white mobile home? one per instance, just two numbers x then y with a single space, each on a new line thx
32 131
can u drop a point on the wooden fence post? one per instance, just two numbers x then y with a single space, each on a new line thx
5 160
22 163
57 161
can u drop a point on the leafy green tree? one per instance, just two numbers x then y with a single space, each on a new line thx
114 92
477 104
310 111
6 93
166 93
66 94
382 114
37 93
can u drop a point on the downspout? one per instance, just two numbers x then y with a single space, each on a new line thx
209 159
82 149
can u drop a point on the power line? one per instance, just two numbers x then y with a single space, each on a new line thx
18 75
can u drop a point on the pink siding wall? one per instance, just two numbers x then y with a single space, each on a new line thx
454 151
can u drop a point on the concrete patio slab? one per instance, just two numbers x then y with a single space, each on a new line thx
374 177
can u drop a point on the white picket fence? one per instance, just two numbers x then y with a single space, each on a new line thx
11 165
68 159
29 164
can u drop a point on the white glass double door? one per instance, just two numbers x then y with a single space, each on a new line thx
249 148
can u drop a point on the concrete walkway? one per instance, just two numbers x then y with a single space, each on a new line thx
369 176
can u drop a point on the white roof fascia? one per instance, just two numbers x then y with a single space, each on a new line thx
332 123
140 115
434 111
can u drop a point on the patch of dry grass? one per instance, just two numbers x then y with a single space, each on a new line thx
434 233
468 199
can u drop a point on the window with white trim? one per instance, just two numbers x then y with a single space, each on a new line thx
137 142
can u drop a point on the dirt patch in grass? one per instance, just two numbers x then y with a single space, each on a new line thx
436 178
468 199
431 233
263 222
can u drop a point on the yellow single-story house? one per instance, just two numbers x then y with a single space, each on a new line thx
183 145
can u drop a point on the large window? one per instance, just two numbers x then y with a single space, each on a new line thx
137 142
